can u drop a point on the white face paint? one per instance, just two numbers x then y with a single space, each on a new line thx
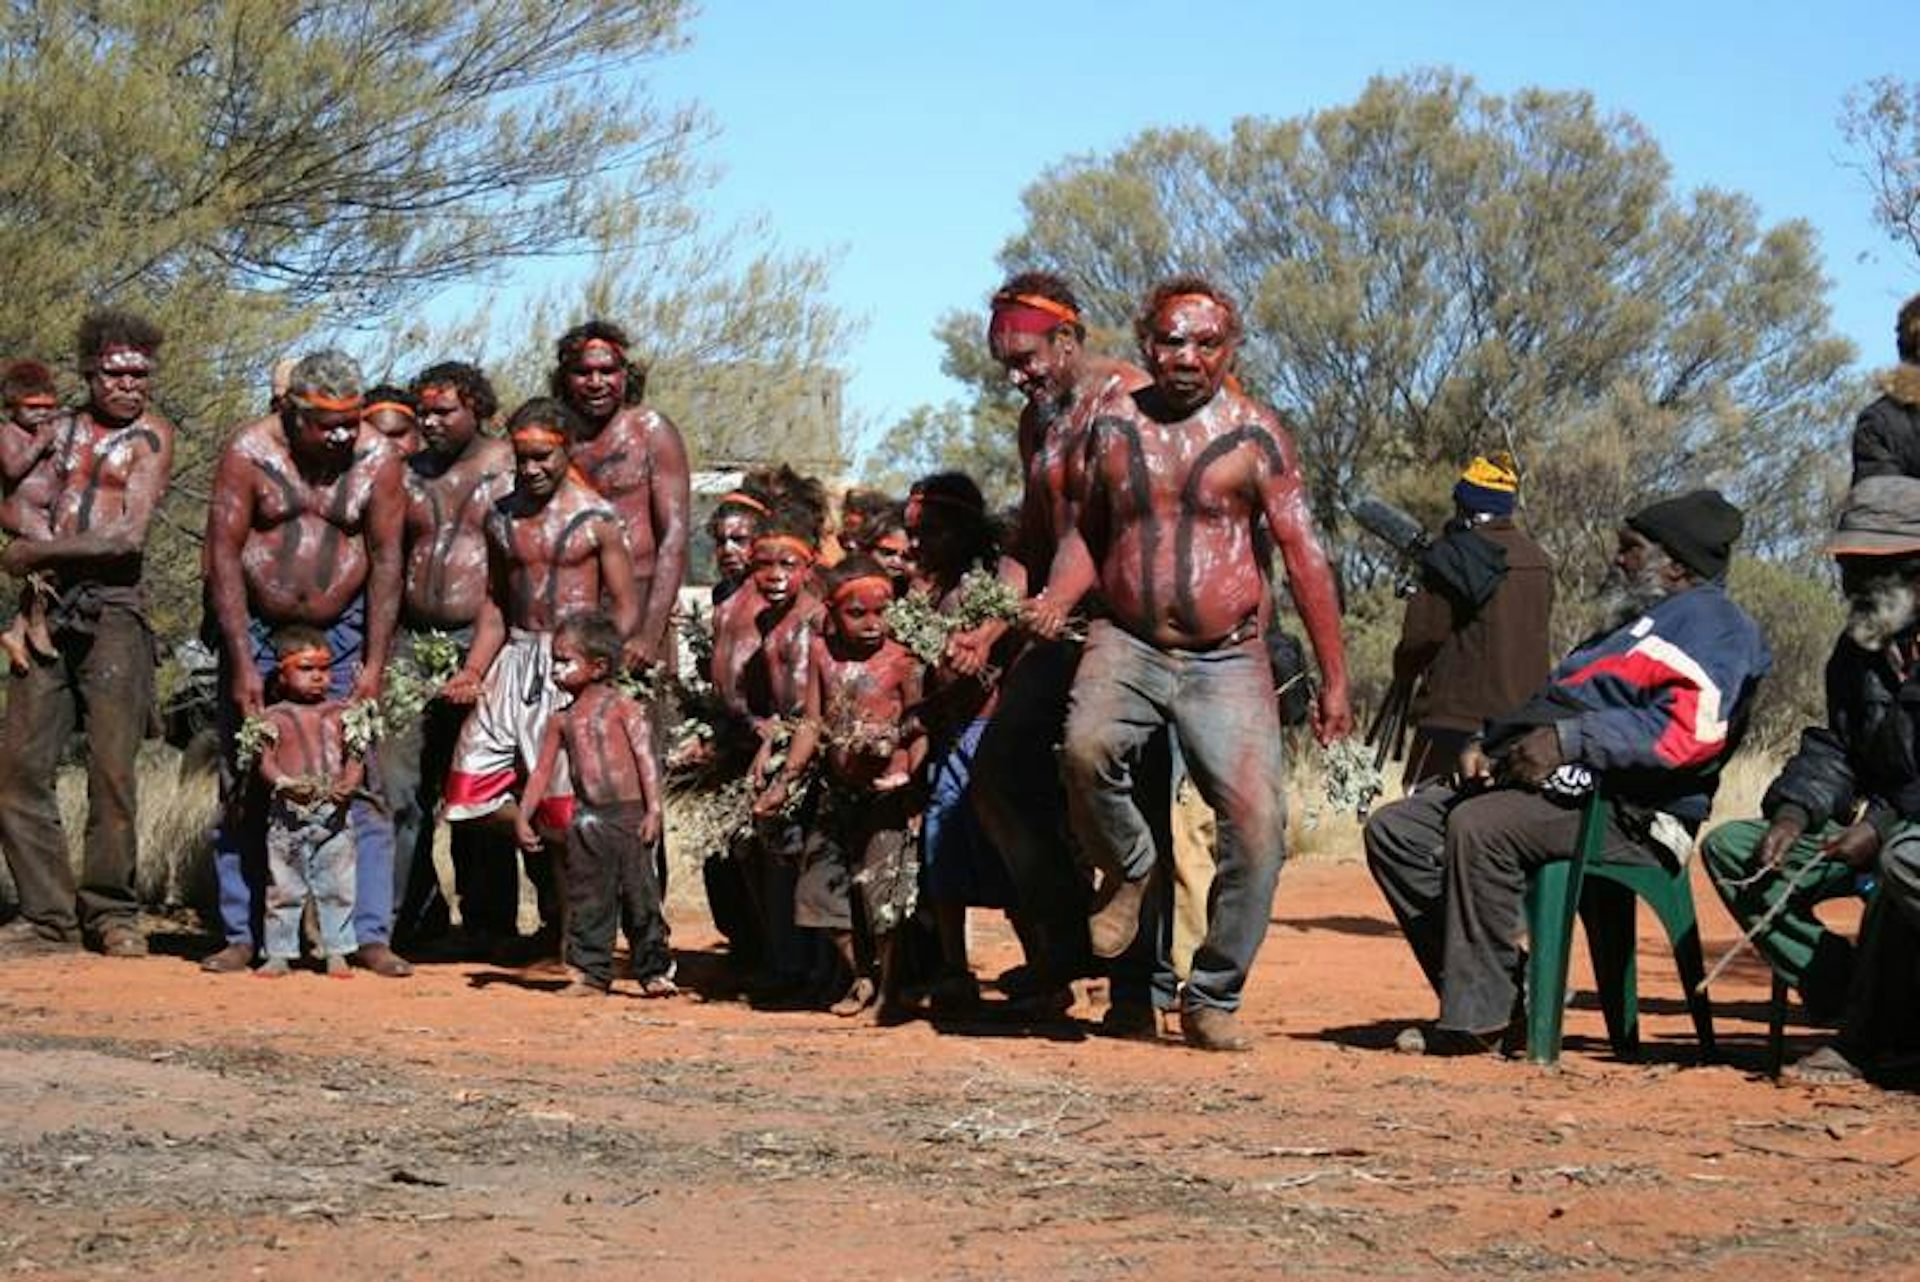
565 670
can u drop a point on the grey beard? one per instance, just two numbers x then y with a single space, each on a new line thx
1881 611
1622 600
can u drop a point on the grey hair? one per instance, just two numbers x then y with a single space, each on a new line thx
329 373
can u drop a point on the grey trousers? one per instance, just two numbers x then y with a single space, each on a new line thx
1454 867
1220 704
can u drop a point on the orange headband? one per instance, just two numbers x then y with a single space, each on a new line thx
1040 303
398 407
788 542
314 653
852 585
326 404
738 499
38 401
538 434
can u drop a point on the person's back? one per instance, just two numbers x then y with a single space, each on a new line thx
1886 436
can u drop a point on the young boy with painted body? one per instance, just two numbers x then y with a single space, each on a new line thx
862 690
29 486
610 876
311 776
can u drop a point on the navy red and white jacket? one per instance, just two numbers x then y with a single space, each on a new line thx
1659 700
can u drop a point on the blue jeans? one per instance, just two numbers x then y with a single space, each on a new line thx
308 854
1220 704
239 842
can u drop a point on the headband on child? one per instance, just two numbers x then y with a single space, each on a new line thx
859 581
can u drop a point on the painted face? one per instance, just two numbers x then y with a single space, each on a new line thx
1040 366
733 545
393 425
894 551
303 675
31 416
325 436
538 467
446 424
860 612
573 670
778 568
596 382
119 386
1189 350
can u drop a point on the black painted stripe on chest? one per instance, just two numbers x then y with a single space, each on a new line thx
1215 450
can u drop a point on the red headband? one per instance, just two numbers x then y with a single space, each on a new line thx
38 401
538 434
311 652
859 581
788 542
326 404
738 499
606 345
119 358
1030 314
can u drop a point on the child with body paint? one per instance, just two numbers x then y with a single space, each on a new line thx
765 644
312 775
858 878
29 485
610 876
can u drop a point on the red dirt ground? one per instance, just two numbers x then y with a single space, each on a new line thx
466 1123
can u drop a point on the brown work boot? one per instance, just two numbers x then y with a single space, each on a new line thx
21 938
231 960
1207 1028
381 960
122 941
1117 919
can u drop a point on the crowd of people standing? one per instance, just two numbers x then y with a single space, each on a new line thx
923 711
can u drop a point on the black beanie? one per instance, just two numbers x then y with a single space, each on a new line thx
1698 530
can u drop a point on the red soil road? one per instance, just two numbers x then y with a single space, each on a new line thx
467 1123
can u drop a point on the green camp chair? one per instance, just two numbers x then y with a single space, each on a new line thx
1604 895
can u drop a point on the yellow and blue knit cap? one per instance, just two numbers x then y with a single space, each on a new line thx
1488 485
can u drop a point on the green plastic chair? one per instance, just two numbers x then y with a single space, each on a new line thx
1604 896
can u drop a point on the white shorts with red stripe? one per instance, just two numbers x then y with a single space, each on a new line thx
501 738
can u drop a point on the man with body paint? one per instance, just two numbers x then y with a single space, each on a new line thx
303 526
451 482
553 549
633 457
1036 334
1175 480
114 456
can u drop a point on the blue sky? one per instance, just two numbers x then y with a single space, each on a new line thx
902 134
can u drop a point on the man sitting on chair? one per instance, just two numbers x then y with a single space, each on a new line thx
1648 702
1843 806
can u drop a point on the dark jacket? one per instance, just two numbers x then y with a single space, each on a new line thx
1865 752
1886 436
1657 704
1475 664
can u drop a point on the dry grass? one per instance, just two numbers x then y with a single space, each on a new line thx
177 812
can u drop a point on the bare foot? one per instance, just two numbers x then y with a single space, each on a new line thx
858 998
273 968
339 968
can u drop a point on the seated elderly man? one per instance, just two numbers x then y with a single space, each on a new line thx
1648 703
1840 809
